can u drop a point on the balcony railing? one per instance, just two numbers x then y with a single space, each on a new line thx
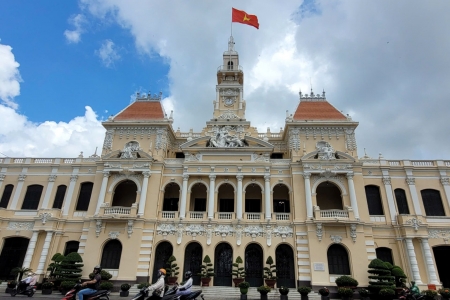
253 216
225 216
196 214
117 210
334 213
283 216
168 214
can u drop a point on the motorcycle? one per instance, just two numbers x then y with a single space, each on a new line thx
406 294
168 295
99 295
23 289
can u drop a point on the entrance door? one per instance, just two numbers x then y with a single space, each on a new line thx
254 265
223 260
13 254
162 254
284 260
193 260
442 263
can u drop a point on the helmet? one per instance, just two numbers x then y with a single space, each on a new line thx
98 268
162 271
188 274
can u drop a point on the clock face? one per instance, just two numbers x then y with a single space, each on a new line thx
228 101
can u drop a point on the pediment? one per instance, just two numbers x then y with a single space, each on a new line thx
338 156
248 142
118 153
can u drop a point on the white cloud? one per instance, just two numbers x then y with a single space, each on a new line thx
74 36
9 76
108 53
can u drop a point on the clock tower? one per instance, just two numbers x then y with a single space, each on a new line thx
229 104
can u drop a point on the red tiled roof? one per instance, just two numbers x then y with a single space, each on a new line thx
317 110
141 110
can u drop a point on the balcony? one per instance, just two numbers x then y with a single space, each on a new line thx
118 211
333 214
282 216
168 214
225 215
253 216
197 215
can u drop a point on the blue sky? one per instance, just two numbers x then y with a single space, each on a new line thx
67 65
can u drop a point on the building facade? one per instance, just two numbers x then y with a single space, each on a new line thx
301 196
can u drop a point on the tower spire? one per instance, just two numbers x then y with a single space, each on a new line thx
231 44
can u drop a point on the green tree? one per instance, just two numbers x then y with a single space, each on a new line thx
238 271
20 271
53 266
70 268
271 269
207 269
173 268
380 277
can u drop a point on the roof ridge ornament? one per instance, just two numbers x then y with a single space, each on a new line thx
148 96
312 97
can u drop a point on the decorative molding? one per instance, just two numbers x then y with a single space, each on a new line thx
294 139
238 230
194 230
410 180
353 232
179 229
109 135
253 231
20 226
223 230
283 232
268 234
141 166
319 231
439 234
161 139
306 175
337 239
112 166
113 235
165 229
73 178
209 231
415 223
98 227
445 180
52 178
44 217
192 157
350 140
228 115
22 177
130 227
2 176
386 180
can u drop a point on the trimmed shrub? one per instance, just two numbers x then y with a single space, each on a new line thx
125 287
324 291
346 281
143 284
345 292
264 289
304 290
381 278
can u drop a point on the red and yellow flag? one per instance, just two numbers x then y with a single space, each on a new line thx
241 16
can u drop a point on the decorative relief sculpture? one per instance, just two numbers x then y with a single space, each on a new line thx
238 231
44 217
444 181
73 178
161 139
52 178
98 227
326 152
130 227
20 226
439 234
337 239
253 231
2 176
350 141
410 180
194 230
107 144
319 231
283 231
294 139
192 157
130 150
222 139
223 230
353 232
22 177
228 115
209 231
268 234
113 235
415 223
386 180
180 230
165 229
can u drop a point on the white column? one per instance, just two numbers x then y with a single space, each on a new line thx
415 199
351 189
101 195
2 177
44 253
390 198
239 197
267 197
309 209
446 184
30 250
69 196
15 199
48 191
184 196
429 263
212 192
143 198
413 260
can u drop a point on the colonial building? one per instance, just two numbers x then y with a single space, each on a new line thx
300 195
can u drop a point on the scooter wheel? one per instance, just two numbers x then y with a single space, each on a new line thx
31 294
13 293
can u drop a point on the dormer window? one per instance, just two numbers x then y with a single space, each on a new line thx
230 65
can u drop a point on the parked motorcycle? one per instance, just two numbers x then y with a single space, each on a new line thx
23 289
99 295
406 294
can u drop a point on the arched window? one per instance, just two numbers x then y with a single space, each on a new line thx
111 255
85 196
432 202
71 246
230 65
402 204
338 260
6 195
385 254
32 197
374 200
59 197
12 255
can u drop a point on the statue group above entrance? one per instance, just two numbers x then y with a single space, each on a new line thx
223 139
130 150
325 151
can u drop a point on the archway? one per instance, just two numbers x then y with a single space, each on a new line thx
226 198
112 251
328 196
284 258
338 260
163 251
125 194
223 260
13 254
198 198
253 199
254 265
281 199
193 260
442 263
171 197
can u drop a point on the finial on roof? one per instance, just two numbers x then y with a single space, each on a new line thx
323 93
231 44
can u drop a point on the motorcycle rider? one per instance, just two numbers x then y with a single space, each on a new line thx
92 285
414 289
29 281
185 289
158 286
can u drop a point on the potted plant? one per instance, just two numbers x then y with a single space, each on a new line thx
429 294
270 276
445 293
243 287
263 291
324 293
207 271
106 285
346 281
47 288
238 272
345 293
387 294
304 291
143 285
124 290
380 277
172 270
284 291
364 293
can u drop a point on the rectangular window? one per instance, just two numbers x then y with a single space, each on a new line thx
32 197
226 205
170 204
59 197
276 156
252 205
374 200
84 197
6 195
281 206
200 204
